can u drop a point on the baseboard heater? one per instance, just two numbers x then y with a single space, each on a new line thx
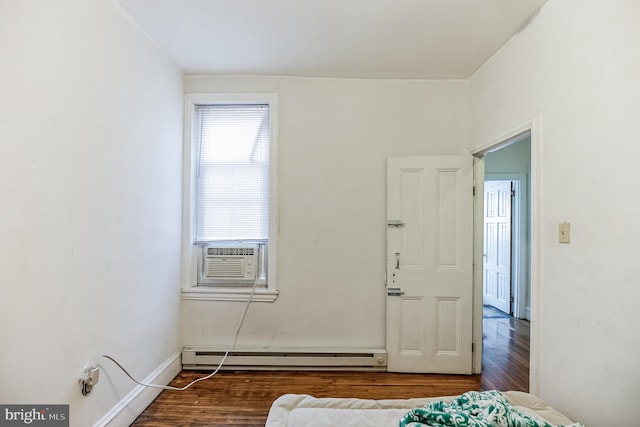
283 359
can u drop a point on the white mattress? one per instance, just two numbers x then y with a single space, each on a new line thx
298 410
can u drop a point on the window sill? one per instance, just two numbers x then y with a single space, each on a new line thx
204 293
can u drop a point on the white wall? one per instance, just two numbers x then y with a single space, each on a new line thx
90 147
335 136
578 64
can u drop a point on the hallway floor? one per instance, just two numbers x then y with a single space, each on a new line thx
505 357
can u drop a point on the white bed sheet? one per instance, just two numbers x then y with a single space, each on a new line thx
299 410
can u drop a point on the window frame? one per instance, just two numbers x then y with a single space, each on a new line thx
191 251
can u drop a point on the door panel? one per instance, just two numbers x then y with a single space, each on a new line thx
448 325
429 258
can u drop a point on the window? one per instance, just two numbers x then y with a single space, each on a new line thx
231 150
232 201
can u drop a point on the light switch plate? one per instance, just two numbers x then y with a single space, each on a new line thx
564 232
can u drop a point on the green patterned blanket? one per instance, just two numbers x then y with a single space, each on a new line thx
473 409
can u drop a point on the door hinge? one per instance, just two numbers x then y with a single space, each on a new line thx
474 190
473 347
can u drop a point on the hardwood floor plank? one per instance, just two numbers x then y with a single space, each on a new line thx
243 398
505 357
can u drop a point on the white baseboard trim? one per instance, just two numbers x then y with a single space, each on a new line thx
134 403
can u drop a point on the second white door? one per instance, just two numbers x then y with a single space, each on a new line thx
497 245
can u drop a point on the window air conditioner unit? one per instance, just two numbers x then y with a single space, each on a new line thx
229 264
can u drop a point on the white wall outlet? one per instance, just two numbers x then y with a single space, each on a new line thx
564 232
89 379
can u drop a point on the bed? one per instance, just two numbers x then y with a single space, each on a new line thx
297 410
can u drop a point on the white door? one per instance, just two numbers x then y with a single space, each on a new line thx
497 245
429 264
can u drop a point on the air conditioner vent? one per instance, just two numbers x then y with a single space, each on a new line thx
229 251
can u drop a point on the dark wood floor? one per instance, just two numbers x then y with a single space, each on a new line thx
244 398
505 352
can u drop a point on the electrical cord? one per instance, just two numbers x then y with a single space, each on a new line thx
224 358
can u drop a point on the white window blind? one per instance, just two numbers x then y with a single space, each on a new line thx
231 159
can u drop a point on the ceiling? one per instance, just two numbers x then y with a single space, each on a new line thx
407 39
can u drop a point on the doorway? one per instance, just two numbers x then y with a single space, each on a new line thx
532 130
506 277
507 228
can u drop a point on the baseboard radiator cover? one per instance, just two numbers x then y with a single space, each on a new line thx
206 358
